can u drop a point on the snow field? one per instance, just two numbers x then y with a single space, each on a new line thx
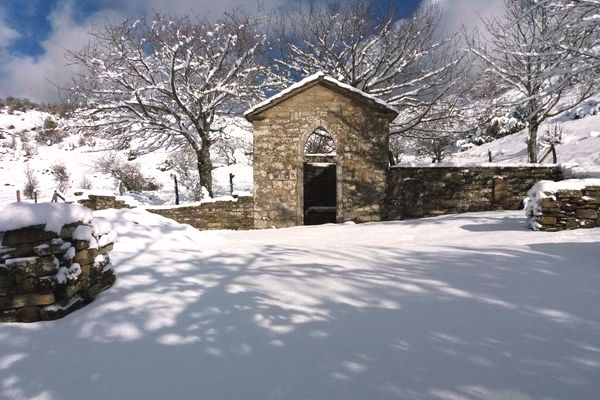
467 307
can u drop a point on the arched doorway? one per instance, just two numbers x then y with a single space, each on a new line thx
319 178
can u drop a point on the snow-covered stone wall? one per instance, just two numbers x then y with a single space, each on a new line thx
103 202
415 192
568 204
53 260
228 214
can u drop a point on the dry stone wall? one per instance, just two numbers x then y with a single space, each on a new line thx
415 192
103 202
568 208
45 275
233 214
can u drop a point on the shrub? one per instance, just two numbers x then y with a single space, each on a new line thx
85 183
184 165
31 183
29 149
128 175
50 134
61 177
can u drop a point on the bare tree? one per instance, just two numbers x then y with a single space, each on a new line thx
535 52
162 83
398 59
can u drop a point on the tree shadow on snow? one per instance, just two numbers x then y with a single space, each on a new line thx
281 322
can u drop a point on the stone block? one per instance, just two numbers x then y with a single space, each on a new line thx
60 309
67 231
571 223
33 266
54 247
35 234
8 315
565 194
550 204
85 256
24 300
546 220
28 314
586 214
25 285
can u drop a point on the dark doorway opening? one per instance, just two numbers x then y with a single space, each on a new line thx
320 197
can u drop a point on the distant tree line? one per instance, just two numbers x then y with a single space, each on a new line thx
23 104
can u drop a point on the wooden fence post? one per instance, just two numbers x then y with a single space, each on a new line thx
18 196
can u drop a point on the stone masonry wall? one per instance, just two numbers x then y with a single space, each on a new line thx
415 192
45 276
98 202
361 138
235 214
567 209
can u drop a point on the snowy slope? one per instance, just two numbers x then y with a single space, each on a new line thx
79 158
463 307
580 145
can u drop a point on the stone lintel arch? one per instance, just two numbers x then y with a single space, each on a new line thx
308 132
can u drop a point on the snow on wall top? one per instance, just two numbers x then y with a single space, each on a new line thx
551 187
472 164
319 76
53 215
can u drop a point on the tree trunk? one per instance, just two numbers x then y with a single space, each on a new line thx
205 167
532 141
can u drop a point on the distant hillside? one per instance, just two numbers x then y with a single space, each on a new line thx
25 143
579 143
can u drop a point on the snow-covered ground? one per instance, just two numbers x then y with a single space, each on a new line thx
464 307
80 158
580 145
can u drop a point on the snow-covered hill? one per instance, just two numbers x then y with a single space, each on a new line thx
19 150
580 145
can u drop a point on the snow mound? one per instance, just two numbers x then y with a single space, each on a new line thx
53 215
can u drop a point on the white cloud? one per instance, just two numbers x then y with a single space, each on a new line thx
36 78
468 13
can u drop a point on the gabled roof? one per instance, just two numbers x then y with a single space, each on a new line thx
312 80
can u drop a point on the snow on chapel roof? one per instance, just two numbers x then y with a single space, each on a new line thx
310 81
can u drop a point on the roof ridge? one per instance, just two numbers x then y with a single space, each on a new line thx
316 77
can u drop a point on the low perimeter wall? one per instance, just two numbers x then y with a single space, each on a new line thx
227 214
570 204
415 192
103 202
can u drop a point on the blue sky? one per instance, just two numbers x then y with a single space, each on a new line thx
34 34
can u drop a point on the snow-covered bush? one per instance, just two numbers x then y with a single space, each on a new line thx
128 175
31 183
183 166
553 134
29 150
85 183
61 176
50 133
